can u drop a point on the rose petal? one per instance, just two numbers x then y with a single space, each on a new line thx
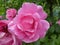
2 34
29 7
45 24
35 38
42 28
14 30
41 12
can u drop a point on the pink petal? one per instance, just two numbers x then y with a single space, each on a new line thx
41 12
6 40
16 41
2 34
27 40
45 24
42 28
36 16
29 8
14 30
5 21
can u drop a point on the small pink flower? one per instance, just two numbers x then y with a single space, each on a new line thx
5 37
29 25
10 13
58 22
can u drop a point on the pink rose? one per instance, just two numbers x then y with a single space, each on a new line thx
5 37
10 13
29 25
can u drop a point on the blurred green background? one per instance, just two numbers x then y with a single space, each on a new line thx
52 7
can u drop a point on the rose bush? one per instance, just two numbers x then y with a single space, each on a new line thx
29 25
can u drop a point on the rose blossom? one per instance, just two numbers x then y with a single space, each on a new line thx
11 13
29 25
5 37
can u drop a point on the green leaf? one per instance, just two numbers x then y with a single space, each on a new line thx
37 42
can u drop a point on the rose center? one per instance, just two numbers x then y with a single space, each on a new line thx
27 22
